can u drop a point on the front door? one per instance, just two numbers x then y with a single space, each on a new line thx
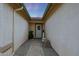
38 29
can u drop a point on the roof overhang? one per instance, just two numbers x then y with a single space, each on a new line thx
51 9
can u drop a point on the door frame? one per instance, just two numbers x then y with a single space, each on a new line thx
41 30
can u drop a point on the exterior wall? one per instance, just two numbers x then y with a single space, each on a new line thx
20 30
32 27
62 30
6 16
6 28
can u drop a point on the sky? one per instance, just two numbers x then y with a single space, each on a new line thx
36 9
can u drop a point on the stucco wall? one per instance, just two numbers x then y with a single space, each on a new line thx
6 28
20 30
62 29
32 27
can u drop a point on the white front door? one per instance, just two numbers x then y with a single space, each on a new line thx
38 31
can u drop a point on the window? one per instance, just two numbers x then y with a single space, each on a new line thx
38 27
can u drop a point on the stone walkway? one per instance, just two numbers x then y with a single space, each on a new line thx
34 48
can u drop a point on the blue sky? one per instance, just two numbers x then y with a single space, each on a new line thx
36 9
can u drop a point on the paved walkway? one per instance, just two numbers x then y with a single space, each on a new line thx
34 48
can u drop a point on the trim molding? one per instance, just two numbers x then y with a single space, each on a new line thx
5 48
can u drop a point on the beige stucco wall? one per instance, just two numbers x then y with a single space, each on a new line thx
32 27
6 28
62 30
